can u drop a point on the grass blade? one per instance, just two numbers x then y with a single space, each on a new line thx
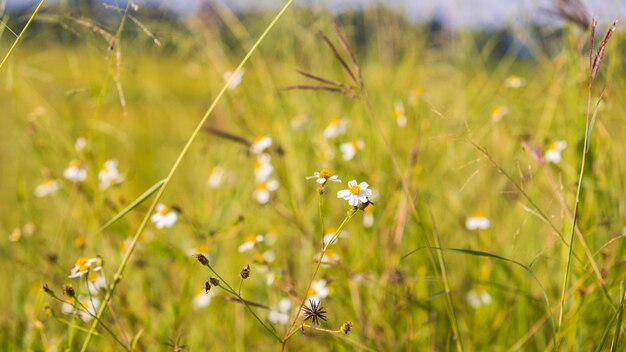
133 205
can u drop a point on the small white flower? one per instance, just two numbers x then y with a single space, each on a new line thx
263 167
329 258
356 193
249 242
326 154
217 176
330 233
96 282
415 94
164 216
87 305
200 249
202 298
514 81
80 144
553 154
398 113
336 127
350 149
368 217
83 265
318 290
236 78
298 122
263 189
269 256
46 187
280 315
270 277
478 298
109 175
498 112
478 221
260 143
322 176
76 172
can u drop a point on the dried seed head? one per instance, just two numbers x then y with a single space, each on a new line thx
245 272
47 290
202 259
320 190
346 327
213 281
314 311
207 287
69 291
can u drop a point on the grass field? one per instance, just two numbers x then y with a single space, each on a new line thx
466 245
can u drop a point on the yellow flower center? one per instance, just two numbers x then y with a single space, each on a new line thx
79 242
75 164
311 292
334 121
84 267
250 238
203 248
325 174
331 230
165 210
81 261
355 145
354 189
92 276
261 186
553 146
478 214
418 91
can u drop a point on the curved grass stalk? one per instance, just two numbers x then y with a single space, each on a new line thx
19 37
118 274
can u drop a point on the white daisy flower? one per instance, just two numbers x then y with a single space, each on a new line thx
263 189
236 78
322 176
91 305
260 143
330 233
298 122
270 277
280 315
164 216
200 249
326 154
217 176
46 187
96 282
109 175
263 168
83 265
399 114
478 221
202 298
249 242
350 149
415 94
330 258
498 112
318 290
477 298
80 144
368 217
269 256
514 81
75 172
356 193
553 154
336 127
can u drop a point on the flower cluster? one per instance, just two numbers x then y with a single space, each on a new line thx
164 216
263 170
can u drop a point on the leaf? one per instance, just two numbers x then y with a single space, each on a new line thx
133 205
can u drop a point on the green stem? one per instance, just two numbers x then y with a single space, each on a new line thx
194 134
19 37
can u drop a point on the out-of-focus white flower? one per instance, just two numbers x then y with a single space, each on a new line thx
477 298
202 298
336 127
330 257
217 176
263 189
263 167
80 144
236 78
249 242
75 172
96 282
85 310
498 111
280 315
200 249
330 233
326 154
270 277
514 81
356 193
478 221
349 149
46 187
415 94
109 175
269 256
368 216
260 143
553 154
298 122
399 114
318 290
164 216
83 265
322 176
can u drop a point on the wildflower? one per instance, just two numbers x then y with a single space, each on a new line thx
415 94
84 265
250 242
96 282
80 144
314 311
270 277
553 154
217 175
46 187
349 149
477 298
330 233
478 221
75 172
200 249
498 111
280 315
514 81
202 259
263 189
164 217
322 176
326 154
336 127
318 290
202 298
236 78
263 168
368 217
260 143
356 193
109 175
86 310
329 257
298 122
398 113
269 256
79 242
